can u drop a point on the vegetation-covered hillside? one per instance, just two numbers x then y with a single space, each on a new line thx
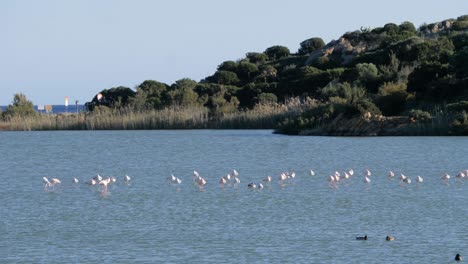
394 70
390 80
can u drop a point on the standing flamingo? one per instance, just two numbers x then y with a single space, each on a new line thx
51 183
222 181
293 174
445 178
332 181
367 173
346 175
46 182
91 182
174 180
104 184
127 178
402 177
236 180
97 178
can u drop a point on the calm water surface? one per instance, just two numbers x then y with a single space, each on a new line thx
306 221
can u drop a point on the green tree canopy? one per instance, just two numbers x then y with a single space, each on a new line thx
155 93
309 45
224 77
277 52
256 57
114 98
182 93
20 106
246 70
407 26
228 66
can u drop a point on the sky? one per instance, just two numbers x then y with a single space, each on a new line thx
50 49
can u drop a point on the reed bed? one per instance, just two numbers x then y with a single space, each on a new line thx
263 116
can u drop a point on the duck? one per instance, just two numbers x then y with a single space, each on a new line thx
389 238
458 257
362 238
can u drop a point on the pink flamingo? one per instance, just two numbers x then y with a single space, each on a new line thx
127 179
367 173
91 182
419 179
267 179
367 179
222 181
104 184
51 183
445 178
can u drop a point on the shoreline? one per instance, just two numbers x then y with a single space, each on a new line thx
373 126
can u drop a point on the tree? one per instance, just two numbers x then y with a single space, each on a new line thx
422 79
310 45
256 57
155 93
268 73
224 77
407 26
20 106
115 97
367 76
139 101
267 98
391 29
246 70
392 98
459 62
228 66
367 71
460 41
277 52
182 93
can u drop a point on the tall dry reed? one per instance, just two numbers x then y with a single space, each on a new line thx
263 116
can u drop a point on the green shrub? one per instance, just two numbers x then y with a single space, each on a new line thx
310 45
277 52
420 115
20 107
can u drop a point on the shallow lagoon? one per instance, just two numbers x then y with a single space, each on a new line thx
304 221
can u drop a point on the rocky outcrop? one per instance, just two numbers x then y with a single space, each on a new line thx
438 27
341 48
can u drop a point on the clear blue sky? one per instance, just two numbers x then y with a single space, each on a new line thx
50 49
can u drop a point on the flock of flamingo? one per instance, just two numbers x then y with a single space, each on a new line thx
98 180
233 178
333 180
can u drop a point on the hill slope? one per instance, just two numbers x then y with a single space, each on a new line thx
362 83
